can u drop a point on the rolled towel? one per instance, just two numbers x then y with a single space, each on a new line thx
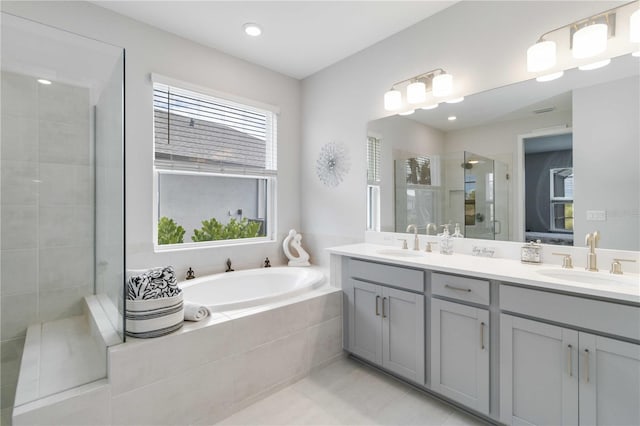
195 312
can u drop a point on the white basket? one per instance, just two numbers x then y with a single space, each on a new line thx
154 317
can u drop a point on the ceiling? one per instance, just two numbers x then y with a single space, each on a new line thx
299 38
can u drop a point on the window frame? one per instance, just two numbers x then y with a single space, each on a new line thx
271 179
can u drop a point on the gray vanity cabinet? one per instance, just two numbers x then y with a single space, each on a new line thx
556 375
385 325
460 353
538 373
460 339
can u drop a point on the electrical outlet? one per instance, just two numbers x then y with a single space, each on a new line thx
597 215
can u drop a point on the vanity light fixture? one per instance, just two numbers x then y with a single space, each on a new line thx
436 81
442 85
541 56
590 41
392 100
416 92
588 38
43 81
252 29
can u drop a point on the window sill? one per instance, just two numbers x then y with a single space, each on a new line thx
212 244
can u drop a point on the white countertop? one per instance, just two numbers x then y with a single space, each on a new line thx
505 270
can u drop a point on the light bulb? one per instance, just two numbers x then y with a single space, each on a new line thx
452 118
541 56
634 27
392 100
442 85
416 92
590 41
550 77
411 111
455 100
43 81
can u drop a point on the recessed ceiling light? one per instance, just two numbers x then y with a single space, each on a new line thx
549 77
432 106
251 29
43 81
451 117
455 100
411 111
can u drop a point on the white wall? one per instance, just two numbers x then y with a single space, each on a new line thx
614 152
152 50
483 44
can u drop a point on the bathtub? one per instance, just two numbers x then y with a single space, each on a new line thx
251 287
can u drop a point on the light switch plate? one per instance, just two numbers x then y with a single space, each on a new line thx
597 215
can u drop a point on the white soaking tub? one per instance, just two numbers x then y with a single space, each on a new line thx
251 287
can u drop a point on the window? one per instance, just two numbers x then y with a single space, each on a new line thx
561 199
373 183
215 168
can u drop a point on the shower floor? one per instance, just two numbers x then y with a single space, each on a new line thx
59 355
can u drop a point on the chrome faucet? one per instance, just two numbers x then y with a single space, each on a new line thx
416 242
432 226
591 241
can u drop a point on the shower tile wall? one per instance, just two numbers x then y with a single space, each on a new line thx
46 202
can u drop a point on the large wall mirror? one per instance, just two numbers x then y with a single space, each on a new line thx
533 160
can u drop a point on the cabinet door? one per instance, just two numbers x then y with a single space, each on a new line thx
609 381
460 353
403 333
538 373
365 319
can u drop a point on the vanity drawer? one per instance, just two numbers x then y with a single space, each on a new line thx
460 288
394 276
597 315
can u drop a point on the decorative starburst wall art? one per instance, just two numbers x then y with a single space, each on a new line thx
332 164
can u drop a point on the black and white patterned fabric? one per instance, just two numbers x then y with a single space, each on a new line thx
155 283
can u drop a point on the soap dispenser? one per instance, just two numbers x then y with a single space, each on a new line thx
457 233
446 242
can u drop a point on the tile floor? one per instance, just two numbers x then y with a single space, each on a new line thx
347 392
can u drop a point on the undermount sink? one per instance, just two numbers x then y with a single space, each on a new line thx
400 253
586 277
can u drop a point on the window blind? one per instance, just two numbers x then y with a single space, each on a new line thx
194 131
373 160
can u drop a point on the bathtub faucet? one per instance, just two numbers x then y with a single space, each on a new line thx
229 269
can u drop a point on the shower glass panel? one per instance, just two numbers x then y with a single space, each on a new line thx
61 202
485 198
417 195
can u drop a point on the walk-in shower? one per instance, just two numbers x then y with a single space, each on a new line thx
61 206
